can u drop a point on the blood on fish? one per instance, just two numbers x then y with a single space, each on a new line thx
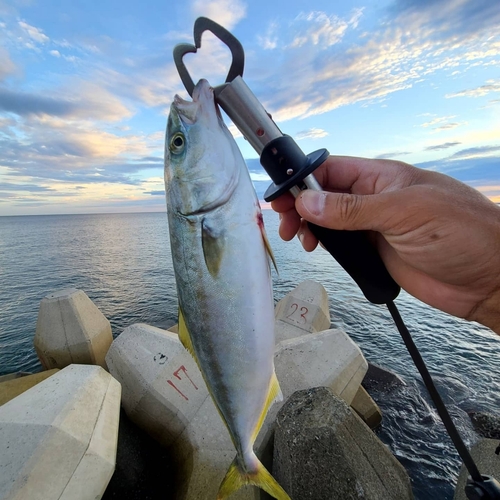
260 220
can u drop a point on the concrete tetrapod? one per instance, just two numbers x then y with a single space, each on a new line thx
9 389
303 310
323 450
71 329
59 438
487 461
164 393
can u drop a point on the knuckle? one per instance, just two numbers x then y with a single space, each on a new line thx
348 207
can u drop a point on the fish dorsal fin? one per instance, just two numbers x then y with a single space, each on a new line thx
274 393
184 336
269 250
212 242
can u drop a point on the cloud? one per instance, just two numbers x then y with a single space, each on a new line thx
155 193
312 133
475 166
33 188
22 104
442 126
491 102
476 152
87 101
455 18
436 121
59 150
490 86
7 67
257 173
479 172
55 53
320 29
394 154
35 34
449 126
260 176
439 147
225 12
405 49
269 40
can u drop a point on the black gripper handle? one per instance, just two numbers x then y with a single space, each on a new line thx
355 253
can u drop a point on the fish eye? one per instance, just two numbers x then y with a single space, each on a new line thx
177 143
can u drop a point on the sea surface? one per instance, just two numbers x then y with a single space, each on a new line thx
123 263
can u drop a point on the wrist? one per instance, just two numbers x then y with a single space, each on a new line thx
487 312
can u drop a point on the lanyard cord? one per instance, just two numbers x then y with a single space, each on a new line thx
436 398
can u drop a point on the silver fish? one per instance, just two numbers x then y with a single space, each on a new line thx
221 262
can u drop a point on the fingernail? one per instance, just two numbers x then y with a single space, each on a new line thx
313 201
301 237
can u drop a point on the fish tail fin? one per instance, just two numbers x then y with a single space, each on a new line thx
236 477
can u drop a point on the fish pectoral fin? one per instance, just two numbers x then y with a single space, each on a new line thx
274 393
236 478
212 242
269 250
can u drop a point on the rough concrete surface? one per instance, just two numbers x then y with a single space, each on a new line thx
378 379
323 450
303 310
366 408
71 329
59 438
164 393
486 424
487 461
16 386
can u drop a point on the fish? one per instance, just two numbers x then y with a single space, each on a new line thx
221 260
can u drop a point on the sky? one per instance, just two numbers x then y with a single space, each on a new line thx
85 89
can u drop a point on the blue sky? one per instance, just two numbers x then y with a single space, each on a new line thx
85 88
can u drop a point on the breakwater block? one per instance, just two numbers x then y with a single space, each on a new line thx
71 329
10 389
303 310
12 376
366 408
59 438
323 450
164 393
487 461
381 380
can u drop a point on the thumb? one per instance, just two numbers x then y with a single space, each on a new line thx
343 210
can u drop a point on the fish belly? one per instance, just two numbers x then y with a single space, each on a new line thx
229 316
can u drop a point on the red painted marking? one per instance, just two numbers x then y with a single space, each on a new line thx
183 368
303 311
172 384
296 307
303 315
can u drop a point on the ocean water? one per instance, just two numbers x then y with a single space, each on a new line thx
123 263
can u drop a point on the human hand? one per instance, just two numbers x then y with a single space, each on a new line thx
439 239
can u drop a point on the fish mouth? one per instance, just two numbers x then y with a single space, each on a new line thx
203 95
